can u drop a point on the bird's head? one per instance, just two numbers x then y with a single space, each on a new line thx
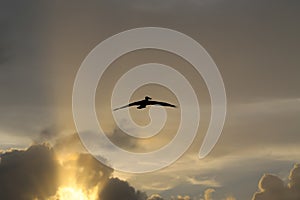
147 98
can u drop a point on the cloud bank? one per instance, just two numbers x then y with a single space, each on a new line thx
38 173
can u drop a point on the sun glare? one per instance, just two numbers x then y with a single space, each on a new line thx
74 182
69 193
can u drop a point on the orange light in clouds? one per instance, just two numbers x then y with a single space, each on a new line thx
69 193
71 187
75 193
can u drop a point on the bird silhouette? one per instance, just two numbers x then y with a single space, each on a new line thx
146 102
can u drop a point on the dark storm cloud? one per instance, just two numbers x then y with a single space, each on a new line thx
272 187
116 189
28 174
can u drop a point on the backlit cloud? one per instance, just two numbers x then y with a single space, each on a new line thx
272 187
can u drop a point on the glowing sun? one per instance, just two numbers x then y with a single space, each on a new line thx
69 193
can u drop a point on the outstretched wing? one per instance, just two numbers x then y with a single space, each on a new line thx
159 103
137 103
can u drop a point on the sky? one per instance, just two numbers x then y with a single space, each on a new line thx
255 45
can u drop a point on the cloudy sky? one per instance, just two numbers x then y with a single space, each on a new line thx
255 45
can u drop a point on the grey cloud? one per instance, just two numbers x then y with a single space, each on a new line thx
271 187
122 139
116 189
28 174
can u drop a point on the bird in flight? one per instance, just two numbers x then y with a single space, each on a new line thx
146 102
